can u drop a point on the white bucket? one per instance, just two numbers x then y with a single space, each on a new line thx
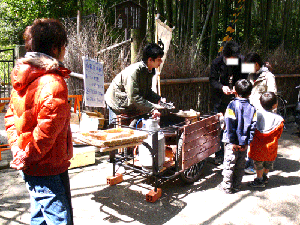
145 156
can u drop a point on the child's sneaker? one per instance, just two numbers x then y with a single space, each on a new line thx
218 160
265 179
257 183
225 190
236 188
249 170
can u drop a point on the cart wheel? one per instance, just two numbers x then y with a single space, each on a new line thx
193 173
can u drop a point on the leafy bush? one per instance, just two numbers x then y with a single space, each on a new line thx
283 63
5 66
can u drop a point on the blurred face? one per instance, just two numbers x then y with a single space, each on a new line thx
250 67
232 61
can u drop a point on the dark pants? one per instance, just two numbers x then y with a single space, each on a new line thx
220 107
234 167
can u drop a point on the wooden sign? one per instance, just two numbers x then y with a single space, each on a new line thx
128 15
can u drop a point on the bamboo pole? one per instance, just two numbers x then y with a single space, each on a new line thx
203 31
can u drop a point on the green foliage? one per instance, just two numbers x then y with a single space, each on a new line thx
280 18
5 66
16 15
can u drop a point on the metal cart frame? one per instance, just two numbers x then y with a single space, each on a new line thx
195 141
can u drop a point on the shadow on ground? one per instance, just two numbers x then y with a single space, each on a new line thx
132 203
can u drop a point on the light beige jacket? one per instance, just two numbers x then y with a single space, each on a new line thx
264 83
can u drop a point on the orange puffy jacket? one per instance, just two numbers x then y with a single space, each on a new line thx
38 119
265 145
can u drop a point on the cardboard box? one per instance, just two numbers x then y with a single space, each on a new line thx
83 156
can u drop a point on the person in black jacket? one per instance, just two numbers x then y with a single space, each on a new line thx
225 71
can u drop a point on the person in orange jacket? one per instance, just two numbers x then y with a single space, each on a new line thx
263 148
38 122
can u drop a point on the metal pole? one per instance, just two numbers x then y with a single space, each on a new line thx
155 158
112 159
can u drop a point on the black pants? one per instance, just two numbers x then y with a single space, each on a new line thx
220 107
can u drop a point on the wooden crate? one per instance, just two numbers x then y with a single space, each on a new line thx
200 140
83 156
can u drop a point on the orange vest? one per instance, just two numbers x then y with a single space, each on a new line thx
264 145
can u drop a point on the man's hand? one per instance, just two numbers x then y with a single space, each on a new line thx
155 114
235 147
240 148
164 100
18 159
158 106
226 90
243 148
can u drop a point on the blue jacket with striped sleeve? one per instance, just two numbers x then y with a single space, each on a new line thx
240 121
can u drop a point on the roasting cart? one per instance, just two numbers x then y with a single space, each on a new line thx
188 142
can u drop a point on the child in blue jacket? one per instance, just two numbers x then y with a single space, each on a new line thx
240 122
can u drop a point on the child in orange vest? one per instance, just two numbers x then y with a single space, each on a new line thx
263 148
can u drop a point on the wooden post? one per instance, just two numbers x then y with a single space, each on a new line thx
135 44
78 18
158 69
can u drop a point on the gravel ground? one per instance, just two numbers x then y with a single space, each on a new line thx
94 202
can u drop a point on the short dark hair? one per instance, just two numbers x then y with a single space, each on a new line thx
153 51
243 88
44 35
231 48
253 57
268 100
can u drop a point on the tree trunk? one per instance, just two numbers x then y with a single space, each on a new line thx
179 19
267 25
189 16
203 31
161 9
262 19
196 13
285 22
138 35
297 32
247 26
143 28
226 12
214 31
152 21
79 4
176 15
184 21
169 9
181 22
135 44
